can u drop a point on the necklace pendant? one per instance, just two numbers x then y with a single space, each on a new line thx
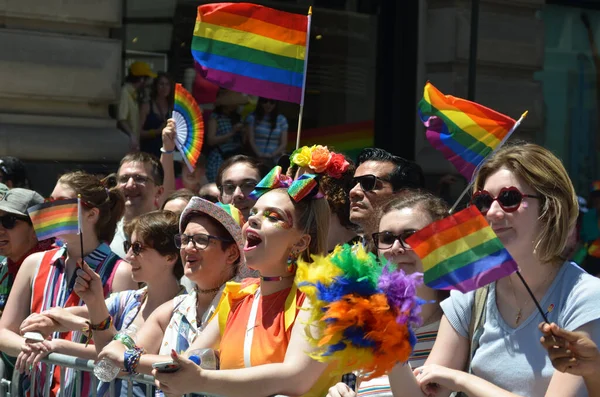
518 317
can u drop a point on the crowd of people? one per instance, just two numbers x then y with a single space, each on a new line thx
169 266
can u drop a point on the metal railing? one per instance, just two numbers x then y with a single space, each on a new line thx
11 388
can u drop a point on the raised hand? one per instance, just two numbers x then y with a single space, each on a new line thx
88 285
168 135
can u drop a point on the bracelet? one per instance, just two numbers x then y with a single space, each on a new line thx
165 151
125 339
131 359
102 326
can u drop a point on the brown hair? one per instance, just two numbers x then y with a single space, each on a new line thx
313 219
433 206
336 193
545 173
240 158
184 194
110 202
156 170
157 230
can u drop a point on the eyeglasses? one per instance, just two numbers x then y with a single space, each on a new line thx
368 182
200 241
509 199
385 240
136 247
9 221
246 187
137 178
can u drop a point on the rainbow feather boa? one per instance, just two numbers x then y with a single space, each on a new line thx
363 311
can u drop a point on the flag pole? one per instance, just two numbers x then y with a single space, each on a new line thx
470 184
304 78
79 225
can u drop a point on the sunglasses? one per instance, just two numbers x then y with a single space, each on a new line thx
385 240
9 221
136 247
509 199
200 241
368 182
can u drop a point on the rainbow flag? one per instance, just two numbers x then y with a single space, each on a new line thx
461 252
55 218
252 49
465 132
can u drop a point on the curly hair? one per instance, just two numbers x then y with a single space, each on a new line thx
336 192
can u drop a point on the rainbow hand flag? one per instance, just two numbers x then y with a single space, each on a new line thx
461 252
252 49
55 218
465 132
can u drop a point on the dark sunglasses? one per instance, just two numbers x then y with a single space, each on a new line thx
9 221
509 199
385 240
136 247
367 182
200 241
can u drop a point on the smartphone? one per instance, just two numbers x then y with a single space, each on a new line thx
166 367
34 336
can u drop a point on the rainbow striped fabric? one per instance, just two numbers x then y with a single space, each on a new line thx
465 132
461 252
252 49
190 126
55 218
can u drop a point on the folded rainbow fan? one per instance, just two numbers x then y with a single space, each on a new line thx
364 311
190 126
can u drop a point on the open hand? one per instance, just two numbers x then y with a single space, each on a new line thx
31 354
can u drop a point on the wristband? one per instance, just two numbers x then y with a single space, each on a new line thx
125 339
163 150
102 326
131 359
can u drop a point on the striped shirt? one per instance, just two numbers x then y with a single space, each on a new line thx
380 387
262 130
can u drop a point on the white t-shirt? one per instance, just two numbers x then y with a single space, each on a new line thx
513 358
116 244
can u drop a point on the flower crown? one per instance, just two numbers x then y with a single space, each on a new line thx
319 159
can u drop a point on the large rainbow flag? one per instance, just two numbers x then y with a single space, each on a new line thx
465 132
252 49
55 218
461 252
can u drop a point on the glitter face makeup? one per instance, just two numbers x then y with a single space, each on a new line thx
275 218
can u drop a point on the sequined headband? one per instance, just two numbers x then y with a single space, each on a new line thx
305 186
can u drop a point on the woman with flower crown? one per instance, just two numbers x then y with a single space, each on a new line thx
262 320
336 172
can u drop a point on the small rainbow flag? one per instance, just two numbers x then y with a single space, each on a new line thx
55 218
465 132
461 252
190 126
252 49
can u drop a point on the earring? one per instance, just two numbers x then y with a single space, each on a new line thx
291 262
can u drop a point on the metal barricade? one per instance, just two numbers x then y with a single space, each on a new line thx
80 365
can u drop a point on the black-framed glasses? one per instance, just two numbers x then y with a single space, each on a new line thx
137 178
385 240
136 247
509 199
368 182
246 187
200 240
9 221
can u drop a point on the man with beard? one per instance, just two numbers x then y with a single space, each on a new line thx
140 178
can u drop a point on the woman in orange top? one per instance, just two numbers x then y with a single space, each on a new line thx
261 326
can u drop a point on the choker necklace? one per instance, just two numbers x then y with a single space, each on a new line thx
207 291
275 278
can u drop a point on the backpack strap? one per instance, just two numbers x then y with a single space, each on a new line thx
477 321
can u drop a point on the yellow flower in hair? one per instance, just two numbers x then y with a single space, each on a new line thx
301 157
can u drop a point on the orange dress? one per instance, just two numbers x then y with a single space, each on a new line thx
270 331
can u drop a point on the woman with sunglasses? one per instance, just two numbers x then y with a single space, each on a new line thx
529 201
267 131
400 219
261 329
210 243
154 260
46 279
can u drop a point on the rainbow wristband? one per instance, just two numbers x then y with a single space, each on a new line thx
131 359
